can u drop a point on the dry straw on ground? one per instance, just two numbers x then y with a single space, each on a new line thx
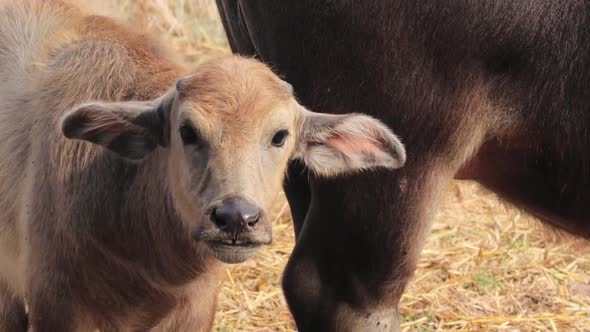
485 266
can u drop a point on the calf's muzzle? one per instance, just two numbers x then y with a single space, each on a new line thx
235 229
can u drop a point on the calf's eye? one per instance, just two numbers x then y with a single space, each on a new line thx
188 135
279 138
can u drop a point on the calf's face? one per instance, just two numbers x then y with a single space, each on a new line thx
228 132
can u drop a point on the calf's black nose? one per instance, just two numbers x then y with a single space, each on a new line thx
235 215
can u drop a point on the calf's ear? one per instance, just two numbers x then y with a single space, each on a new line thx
332 145
131 129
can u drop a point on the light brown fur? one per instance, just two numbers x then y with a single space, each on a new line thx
53 57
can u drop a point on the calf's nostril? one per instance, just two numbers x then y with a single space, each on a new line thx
219 222
252 219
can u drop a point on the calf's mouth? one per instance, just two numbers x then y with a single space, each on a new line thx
233 253
233 248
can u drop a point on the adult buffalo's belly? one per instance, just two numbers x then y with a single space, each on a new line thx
543 184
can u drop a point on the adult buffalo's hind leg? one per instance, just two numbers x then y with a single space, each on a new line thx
13 316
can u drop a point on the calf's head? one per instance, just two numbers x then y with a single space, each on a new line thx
228 132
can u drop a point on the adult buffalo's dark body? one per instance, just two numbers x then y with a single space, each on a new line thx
494 91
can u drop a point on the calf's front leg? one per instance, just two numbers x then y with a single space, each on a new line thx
53 305
13 316
195 309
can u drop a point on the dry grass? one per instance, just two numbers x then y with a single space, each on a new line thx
486 267
192 27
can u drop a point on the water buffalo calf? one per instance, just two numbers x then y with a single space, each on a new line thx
496 91
125 179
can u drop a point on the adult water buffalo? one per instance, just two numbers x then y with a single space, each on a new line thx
493 91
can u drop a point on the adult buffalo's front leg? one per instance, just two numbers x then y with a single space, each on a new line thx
356 251
298 194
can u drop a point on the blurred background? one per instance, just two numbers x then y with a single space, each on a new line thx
485 267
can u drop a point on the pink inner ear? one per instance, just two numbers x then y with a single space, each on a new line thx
351 145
